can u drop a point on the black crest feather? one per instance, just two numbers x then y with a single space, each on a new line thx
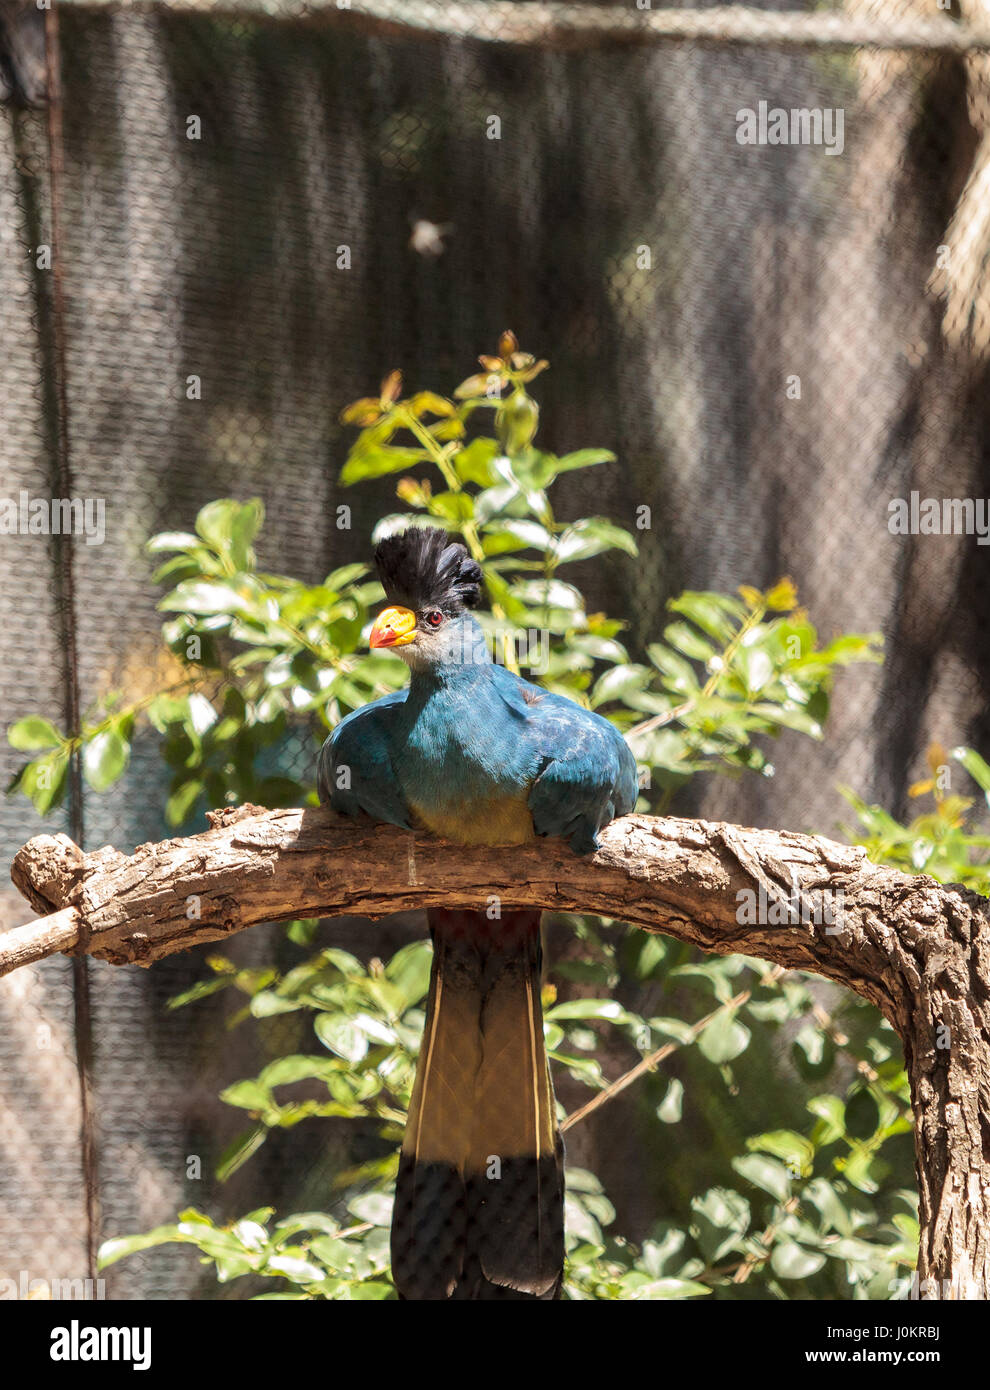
422 567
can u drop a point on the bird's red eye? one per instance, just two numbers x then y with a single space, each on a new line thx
433 618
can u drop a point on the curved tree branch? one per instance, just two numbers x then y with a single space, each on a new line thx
570 25
917 950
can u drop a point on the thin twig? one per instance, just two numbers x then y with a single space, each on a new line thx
662 1053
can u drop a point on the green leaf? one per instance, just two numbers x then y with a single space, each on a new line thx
341 1036
200 990
554 594
181 801
453 507
786 1144
296 1067
609 1009
112 1250
823 1196
214 523
172 540
343 961
343 577
43 780
375 1207
303 930
756 667
473 463
789 716
643 954
688 640
977 768
671 1107
371 1289
679 672
792 1261
202 715
409 971
298 1270
32 733
674 1028
104 758
266 1004
721 1218
813 1052
167 709
832 1115
515 533
583 458
248 1095
668 1288
766 1173
724 1039
618 682
715 614
429 403
376 462
306 1221
591 536
245 524
203 597
250 1232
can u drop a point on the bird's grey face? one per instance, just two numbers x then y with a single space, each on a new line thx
428 638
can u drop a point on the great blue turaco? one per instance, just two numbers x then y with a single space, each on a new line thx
474 753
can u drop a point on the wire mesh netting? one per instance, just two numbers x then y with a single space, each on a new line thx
284 205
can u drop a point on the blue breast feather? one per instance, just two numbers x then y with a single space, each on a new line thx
473 741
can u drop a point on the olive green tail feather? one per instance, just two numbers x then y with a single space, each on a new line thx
480 1193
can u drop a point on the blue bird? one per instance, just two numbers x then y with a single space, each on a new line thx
477 755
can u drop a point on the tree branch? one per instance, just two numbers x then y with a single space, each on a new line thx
917 950
583 26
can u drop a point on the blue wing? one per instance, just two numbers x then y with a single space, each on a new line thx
355 771
586 771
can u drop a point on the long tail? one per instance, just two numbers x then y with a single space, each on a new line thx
479 1204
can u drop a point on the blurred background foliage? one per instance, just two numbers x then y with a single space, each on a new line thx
769 1112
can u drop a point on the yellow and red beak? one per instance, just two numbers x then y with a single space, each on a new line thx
394 627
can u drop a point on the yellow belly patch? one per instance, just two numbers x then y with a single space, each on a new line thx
503 823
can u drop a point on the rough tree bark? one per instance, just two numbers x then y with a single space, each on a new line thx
917 950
